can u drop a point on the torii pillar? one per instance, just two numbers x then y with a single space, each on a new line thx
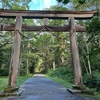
78 83
14 63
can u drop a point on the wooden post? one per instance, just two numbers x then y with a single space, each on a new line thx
14 64
75 54
45 21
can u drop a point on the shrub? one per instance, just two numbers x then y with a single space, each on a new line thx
62 72
22 71
30 75
4 72
93 80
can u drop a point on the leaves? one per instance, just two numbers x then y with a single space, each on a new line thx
64 1
81 1
15 4
94 26
59 0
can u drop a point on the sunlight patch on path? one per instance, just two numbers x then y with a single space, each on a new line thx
39 75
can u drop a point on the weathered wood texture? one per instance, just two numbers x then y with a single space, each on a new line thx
39 28
75 53
47 14
14 64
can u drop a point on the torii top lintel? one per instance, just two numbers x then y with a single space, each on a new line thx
39 14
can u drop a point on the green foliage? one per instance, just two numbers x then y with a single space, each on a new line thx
81 1
93 30
82 4
22 70
59 0
4 60
30 75
4 72
3 83
64 1
15 4
93 27
67 1
58 8
95 61
93 80
22 79
6 37
63 82
63 73
4 80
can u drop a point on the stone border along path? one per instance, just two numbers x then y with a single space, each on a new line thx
41 88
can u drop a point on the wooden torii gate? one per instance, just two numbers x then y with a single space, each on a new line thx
18 27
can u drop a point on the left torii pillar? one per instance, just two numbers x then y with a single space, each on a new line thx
14 63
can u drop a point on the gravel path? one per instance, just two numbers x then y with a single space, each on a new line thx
41 88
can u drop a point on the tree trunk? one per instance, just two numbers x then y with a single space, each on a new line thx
14 64
62 54
75 54
62 59
27 66
27 61
85 66
54 65
87 56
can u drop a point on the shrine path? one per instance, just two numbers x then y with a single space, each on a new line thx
41 88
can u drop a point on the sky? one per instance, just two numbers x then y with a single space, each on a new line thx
41 4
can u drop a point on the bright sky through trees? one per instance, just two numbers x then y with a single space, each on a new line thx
41 4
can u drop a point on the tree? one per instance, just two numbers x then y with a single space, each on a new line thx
82 4
93 33
14 4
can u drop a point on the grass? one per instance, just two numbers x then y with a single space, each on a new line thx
22 79
4 81
61 81
66 84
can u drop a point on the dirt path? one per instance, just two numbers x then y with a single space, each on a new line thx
41 88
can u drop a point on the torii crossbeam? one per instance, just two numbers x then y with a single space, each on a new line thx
35 14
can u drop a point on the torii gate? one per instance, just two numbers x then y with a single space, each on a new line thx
18 27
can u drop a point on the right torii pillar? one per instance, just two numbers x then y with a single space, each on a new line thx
78 83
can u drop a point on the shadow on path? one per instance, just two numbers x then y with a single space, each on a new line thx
41 88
